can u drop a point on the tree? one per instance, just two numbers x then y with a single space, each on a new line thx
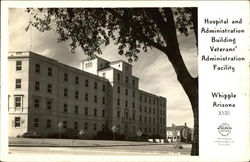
133 30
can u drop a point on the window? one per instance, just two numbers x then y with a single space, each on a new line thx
49 71
36 123
75 125
154 102
48 123
95 112
37 86
49 105
145 109
86 83
88 65
37 68
18 65
126 103
37 103
17 121
49 88
126 115
65 92
94 128
140 108
17 102
65 123
86 126
18 83
103 127
133 93
118 114
76 94
118 76
76 109
149 110
103 100
133 82
95 99
140 98
140 118
133 105
103 113
65 77
103 87
126 79
145 130
133 116
149 119
86 111
153 120
118 102
118 89
149 100
145 99
95 85
153 111
65 108
76 80
86 97
126 92
145 119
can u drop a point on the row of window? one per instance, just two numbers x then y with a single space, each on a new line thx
147 99
86 110
49 87
65 124
49 90
126 79
126 91
65 106
50 73
36 124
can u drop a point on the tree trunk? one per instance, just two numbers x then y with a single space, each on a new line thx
190 86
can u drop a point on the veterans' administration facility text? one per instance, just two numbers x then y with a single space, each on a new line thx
44 92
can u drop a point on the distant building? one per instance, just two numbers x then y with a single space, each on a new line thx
44 92
180 133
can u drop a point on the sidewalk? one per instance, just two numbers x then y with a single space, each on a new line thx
43 142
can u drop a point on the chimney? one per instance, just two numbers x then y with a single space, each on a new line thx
185 124
173 125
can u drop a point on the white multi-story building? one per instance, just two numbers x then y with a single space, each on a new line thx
44 92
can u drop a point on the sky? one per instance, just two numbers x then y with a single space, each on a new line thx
155 73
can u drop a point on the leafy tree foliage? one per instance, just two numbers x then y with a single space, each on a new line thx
132 30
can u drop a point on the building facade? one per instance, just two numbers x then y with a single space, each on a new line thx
46 96
181 133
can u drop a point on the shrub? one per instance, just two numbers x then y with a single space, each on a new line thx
108 135
178 145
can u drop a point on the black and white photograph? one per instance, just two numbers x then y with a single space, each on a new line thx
111 77
110 81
